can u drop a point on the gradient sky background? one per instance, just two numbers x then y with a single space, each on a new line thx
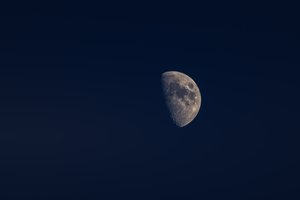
82 114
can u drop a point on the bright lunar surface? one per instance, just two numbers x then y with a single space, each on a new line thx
182 97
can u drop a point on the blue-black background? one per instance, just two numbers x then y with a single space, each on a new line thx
82 114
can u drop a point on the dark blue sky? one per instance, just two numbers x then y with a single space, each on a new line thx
83 117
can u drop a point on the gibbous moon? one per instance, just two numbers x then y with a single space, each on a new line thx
182 97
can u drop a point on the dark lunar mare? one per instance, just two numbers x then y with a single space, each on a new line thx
178 90
181 92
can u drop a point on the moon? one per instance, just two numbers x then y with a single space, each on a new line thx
182 96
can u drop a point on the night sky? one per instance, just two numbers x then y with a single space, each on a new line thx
82 115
